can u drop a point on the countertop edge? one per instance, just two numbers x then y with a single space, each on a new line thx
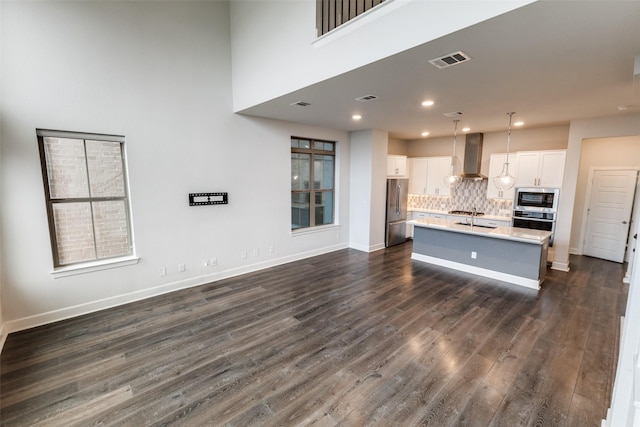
537 237
435 211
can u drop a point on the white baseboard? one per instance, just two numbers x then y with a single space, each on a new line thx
561 266
3 337
93 306
377 247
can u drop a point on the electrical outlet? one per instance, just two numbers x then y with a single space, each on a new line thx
213 262
163 272
272 249
256 252
474 255
244 255
181 268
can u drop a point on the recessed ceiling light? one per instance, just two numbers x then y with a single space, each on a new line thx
425 133
466 129
356 117
518 123
427 103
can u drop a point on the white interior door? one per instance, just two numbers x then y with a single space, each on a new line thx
609 213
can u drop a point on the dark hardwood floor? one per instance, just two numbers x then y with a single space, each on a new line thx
347 338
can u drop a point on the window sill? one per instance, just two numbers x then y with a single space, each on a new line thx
316 229
90 267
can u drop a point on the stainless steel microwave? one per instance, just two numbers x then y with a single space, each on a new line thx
536 199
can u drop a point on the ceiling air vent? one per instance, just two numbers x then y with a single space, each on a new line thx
300 104
449 60
454 114
366 98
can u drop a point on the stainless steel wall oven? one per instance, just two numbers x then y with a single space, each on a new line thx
536 208
536 199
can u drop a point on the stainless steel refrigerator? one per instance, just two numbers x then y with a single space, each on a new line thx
397 199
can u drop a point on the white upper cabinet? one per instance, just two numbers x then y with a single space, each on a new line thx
496 162
396 166
437 169
540 168
427 174
418 176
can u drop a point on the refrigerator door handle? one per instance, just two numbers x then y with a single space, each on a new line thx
398 201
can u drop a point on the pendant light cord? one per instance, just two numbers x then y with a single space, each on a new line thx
509 137
455 137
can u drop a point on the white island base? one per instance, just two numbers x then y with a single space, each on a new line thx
509 254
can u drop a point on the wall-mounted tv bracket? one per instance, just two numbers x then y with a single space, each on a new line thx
201 199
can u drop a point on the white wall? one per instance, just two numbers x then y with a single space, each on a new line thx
158 73
615 153
626 383
2 331
626 125
274 53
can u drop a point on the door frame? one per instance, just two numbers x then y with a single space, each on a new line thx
587 203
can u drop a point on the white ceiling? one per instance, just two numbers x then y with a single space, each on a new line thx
551 62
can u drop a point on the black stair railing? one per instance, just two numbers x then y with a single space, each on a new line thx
331 14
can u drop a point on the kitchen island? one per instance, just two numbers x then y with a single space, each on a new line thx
510 254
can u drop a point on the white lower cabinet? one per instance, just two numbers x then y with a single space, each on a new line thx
416 215
493 222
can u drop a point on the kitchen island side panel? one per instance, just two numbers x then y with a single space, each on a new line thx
505 256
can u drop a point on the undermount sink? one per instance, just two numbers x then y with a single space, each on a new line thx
476 225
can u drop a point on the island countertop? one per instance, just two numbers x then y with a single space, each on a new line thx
524 235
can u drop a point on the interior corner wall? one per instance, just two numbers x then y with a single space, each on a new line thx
615 153
158 73
378 207
579 130
262 52
367 189
397 147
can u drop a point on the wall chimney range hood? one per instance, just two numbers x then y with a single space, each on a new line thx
473 157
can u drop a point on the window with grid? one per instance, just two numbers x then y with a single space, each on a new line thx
86 196
312 182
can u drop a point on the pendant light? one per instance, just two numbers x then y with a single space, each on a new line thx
453 180
504 181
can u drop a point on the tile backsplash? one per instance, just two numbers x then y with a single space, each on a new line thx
465 197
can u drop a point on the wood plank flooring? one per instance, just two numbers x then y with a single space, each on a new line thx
343 339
